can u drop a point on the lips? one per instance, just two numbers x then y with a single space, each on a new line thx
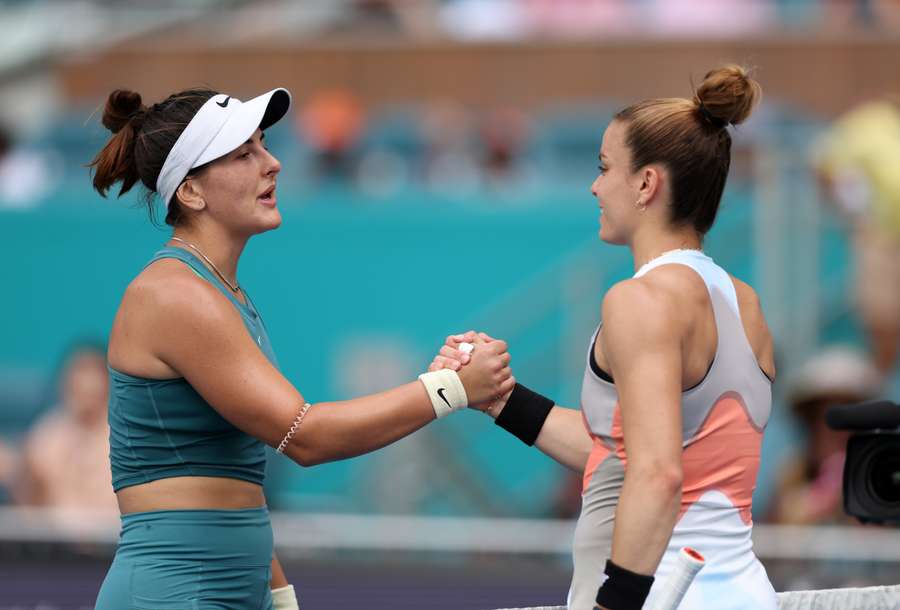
267 197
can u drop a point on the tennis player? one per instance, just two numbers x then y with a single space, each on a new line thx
195 390
677 381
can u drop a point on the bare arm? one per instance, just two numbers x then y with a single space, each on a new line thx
202 337
642 344
278 579
564 438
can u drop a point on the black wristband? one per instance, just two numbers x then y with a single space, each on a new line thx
524 414
623 589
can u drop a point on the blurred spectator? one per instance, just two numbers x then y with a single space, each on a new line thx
391 149
331 123
415 18
838 15
485 19
65 461
566 501
582 18
8 465
25 176
504 134
709 18
886 14
450 158
857 163
809 489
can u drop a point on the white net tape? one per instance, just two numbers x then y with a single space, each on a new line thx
869 598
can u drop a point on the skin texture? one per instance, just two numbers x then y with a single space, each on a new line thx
172 324
658 339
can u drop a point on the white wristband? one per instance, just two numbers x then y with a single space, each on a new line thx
284 598
445 390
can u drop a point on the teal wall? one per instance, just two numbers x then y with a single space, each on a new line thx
344 271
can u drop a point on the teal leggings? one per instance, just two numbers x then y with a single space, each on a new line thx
191 560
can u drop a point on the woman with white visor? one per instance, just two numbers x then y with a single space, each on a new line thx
195 389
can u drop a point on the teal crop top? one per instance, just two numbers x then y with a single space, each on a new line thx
160 428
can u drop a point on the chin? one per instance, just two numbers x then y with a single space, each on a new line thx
270 222
608 237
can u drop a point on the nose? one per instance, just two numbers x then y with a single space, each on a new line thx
594 188
273 166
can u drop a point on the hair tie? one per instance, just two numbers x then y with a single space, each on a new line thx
137 117
712 120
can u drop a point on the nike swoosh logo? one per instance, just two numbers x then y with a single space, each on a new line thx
444 398
225 103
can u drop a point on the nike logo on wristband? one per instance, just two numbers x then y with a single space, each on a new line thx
225 103
444 398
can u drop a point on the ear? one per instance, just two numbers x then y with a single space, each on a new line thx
190 194
651 177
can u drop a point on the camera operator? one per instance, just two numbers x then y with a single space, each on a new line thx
810 484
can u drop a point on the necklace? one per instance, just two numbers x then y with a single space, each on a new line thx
234 288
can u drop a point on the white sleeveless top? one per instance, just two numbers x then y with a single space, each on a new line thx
723 419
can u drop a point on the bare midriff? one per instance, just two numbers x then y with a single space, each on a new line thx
190 493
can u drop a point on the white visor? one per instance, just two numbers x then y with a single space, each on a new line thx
221 125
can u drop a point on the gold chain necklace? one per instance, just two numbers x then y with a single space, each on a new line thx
234 288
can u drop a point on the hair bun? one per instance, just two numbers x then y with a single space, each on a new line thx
121 107
727 95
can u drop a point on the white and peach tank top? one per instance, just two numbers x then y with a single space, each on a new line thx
723 419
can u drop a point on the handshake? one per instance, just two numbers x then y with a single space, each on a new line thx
481 364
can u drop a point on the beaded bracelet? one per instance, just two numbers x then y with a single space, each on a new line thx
296 424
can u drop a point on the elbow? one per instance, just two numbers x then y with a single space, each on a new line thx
309 456
306 454
312 454
306 459
665 479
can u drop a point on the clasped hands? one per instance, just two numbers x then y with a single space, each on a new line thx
484 372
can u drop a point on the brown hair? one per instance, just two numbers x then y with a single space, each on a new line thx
690 138
141 141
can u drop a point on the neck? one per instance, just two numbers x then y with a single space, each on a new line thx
651 244
222 249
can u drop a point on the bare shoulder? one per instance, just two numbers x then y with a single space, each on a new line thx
162 307
750 307
755 326
746 296
169 288
639 304
666 291
680 282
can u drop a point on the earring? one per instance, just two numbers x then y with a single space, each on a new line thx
641 206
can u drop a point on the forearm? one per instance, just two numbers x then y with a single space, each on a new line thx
344 429
564 438
535 420
284 597
645 517
278 579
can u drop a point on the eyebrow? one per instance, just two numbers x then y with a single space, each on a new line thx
262 136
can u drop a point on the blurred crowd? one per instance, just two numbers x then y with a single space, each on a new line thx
573 19
336 142
62 461
445 147
440 147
